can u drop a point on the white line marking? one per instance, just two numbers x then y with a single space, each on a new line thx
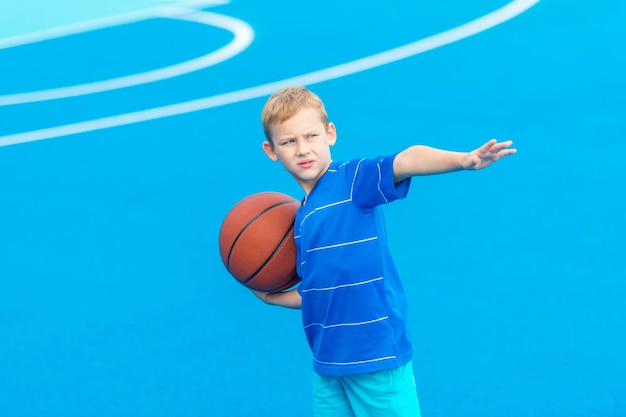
89 25
481 24
244 34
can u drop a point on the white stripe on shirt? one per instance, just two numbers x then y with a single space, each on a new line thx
356 362
343 286
380 177
342 244
322 208
356 172
330 326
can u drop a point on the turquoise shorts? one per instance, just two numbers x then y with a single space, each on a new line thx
389 393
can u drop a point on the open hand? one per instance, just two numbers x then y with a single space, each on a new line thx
488 153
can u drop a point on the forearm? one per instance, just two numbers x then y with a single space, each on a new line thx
288 299
424 160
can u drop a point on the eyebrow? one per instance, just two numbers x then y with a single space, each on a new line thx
304 133
311 130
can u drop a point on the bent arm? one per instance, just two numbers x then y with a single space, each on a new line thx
288 299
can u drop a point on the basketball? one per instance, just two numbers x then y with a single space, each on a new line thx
257 244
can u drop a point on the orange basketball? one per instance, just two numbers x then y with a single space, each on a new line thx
257 244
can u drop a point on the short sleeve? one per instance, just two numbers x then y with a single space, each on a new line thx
373 182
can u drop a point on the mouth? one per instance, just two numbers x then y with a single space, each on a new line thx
306 164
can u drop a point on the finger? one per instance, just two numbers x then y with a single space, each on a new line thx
486 147
500 146
506 152
505 144
490 143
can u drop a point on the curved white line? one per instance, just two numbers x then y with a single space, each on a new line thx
481 24
76 28
244 34
105 22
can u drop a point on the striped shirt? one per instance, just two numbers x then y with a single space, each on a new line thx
353 304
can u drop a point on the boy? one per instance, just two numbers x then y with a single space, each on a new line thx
354 308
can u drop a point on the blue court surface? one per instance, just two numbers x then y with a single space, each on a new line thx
128 129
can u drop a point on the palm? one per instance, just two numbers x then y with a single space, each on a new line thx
488 153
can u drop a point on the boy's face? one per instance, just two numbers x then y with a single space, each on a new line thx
302 145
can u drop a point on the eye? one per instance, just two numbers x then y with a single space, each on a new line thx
287 141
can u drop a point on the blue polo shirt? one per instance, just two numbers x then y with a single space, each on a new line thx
354 309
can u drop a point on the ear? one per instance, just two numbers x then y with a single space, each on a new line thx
331 133
270 151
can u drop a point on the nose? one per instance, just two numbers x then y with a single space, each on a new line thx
302 148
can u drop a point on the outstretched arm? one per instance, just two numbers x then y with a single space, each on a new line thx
424 160
289 299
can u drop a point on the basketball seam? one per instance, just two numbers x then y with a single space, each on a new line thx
269 258
293 281
252 220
